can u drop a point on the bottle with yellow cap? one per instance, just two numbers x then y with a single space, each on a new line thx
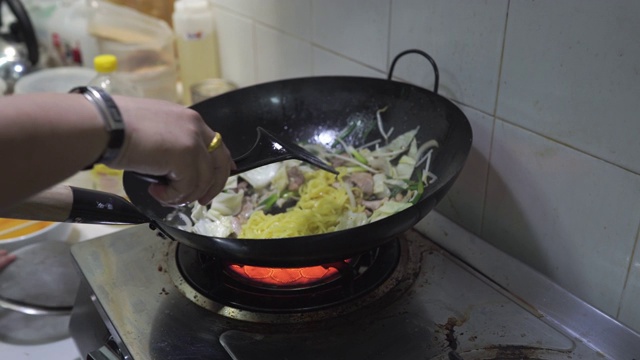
109 79
105 178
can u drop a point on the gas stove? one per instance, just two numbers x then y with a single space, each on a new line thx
145 297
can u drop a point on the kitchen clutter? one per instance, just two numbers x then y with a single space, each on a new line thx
196 41
164 54
142 44
158 9
19 48
74 32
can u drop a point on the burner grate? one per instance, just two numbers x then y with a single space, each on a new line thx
222 283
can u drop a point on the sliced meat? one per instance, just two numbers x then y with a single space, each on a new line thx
363 181
373 204
296 178
248 205
242 186
336 162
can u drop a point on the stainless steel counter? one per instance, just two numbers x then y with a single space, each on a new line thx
469 301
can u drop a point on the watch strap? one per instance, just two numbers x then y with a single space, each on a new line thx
112 118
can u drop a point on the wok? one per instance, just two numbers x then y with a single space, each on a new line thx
316 110
306 110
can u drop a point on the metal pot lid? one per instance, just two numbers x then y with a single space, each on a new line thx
43 275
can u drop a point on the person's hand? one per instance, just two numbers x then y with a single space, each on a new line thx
167 139
5 258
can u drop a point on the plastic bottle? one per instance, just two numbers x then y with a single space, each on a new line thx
197 44
107 77
144 46
105 178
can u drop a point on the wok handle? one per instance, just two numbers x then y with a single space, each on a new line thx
63 203
436 73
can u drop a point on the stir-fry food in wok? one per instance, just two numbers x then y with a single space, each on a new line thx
292 198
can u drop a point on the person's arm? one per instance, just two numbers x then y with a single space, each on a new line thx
45 138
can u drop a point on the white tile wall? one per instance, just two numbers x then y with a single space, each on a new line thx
358 29
290 16
566 213
281 56
464 203
465 39
550 89
244 7
327 63
571 71
236 37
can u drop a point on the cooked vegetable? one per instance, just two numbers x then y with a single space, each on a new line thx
293 199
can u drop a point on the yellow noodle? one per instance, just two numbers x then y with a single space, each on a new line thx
318 211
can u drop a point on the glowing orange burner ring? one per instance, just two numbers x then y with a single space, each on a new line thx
284 277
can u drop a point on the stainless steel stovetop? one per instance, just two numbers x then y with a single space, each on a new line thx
435 306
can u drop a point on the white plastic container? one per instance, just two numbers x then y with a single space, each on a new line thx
143 45
197 43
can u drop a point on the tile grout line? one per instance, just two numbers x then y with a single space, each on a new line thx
547 137
635 249
495 121
254 37
388 62
311 38
564 144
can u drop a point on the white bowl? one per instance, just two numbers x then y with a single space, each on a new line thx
54 231
58 80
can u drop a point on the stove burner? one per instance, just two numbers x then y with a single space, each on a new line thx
342 281
281 278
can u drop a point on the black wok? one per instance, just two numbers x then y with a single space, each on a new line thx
305 110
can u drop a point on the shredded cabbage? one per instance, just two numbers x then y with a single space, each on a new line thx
227 203
262 176
291 198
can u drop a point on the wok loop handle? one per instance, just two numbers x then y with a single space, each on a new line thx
436 73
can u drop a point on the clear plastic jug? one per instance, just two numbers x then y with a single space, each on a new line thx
144 46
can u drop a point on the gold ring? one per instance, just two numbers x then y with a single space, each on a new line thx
215 143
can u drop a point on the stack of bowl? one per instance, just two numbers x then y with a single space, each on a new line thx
38 288
15 234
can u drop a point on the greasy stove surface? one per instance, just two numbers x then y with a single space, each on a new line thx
442 310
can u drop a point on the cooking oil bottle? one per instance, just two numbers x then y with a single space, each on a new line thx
197 44
105 178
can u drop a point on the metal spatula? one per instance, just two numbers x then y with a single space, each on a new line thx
268 149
